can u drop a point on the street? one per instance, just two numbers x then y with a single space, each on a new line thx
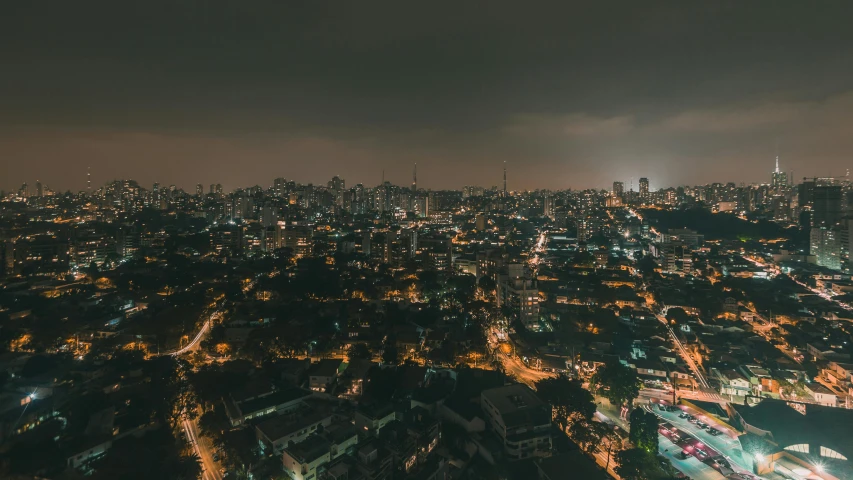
697 372
210 469
514 367
726 443
691 467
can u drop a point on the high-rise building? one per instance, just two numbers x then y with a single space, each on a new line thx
826 205
779 178
269 215
548 206
300 239
825 245
618 189
644 190
279 186
337 185
199 190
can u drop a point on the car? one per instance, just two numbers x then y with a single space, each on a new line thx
683 415
714 431
684 455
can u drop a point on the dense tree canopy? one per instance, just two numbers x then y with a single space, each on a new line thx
617 383
644 430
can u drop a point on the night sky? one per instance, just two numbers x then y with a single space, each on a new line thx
569 94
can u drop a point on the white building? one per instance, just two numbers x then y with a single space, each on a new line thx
520 419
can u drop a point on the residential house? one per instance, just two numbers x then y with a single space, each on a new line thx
653 373
322 375
732 383
822 395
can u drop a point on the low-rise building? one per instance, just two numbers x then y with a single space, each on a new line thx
322 375
371 418
280 431
302 460
733 383
822 395
273 401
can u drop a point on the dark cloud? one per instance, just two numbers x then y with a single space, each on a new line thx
570 94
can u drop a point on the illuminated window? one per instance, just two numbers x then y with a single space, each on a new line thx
800 447
829 453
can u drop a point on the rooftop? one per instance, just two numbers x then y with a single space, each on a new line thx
325 368
276 398
309 449
512 398
283 425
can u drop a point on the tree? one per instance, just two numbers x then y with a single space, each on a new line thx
588 434
389 352
647 265
359 350
617 383
644 430
568 399
636 464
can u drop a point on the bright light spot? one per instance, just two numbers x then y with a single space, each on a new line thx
759 457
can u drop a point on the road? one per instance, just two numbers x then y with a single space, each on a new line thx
727 443
196 341
647 393
203 450
691 467
697 372
514 367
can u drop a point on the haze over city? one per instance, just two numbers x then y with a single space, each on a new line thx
569 95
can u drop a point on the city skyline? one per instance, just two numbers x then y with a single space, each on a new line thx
777 177
394 240
569 96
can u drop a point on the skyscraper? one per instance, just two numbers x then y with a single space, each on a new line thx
618 189
504 177
548 204
779 178
826 205
415 179
199 190
644 189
